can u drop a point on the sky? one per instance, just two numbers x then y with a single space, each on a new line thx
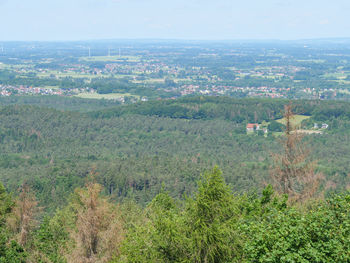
177 19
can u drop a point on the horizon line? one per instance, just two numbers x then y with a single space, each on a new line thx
189 39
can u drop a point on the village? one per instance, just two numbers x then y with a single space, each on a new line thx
173 73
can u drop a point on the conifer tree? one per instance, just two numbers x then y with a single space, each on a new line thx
211 218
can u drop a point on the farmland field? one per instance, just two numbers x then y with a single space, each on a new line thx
69 74
110 96
112 58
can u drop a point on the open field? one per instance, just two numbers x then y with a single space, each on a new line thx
15 66
112 58
69 74
337 75
159 80
310 131
296 121
110 96
311 60
80 75
345 91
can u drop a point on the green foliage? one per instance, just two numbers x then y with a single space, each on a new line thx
275 126
203 231
211 217
11 253
6 204
59 102
292 234
111 85
157 238
135 149
49 241
10 250
212 226
217 226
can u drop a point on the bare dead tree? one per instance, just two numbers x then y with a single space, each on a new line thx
293 173
23 220
99 229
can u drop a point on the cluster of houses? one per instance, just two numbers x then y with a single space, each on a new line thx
251 127
6 90
5 93
150 67
322 126
222 90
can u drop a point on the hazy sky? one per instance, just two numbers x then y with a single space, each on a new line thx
175 19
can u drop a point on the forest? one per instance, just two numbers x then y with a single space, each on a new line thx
172 181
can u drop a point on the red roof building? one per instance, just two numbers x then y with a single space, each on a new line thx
251 126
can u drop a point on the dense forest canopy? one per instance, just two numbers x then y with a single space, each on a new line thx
136 149
100 182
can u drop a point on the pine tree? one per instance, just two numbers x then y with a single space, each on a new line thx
211 218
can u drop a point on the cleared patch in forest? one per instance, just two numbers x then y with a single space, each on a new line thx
296 121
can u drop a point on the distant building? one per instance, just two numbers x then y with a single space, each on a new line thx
315 126
324 126
252 126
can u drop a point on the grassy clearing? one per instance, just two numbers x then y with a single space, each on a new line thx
17 66
296 121
343 81
344 91
310 131
312 60
336 75
154 80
